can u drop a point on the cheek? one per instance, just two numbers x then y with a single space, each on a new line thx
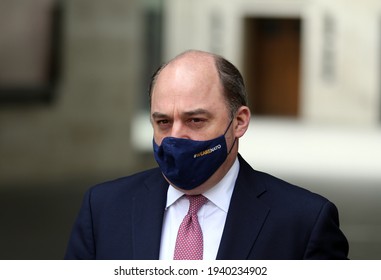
230 137
159 135
158 139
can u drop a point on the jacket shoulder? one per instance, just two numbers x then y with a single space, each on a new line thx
275 190
126 185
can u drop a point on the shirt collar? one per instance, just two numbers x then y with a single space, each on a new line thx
219 195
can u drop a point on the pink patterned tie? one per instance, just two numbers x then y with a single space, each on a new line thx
189 242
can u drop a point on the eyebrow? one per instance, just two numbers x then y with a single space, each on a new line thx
157 115
200 111
197 112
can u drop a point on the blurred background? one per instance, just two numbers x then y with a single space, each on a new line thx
74 105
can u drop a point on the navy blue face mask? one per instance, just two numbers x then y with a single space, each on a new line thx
188 163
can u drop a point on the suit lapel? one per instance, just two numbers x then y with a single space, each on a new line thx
246 216
149 206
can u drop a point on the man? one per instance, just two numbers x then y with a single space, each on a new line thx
198 113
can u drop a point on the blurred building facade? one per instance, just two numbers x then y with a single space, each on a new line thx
50 152
312 70
337 46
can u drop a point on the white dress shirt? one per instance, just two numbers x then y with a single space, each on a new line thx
211 216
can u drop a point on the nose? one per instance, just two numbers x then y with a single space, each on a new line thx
179 130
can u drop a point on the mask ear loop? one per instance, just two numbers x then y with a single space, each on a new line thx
231 121
235 139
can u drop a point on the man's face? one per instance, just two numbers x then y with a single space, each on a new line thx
188 102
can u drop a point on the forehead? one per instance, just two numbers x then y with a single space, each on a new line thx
188 82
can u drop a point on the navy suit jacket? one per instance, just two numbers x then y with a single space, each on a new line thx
267 219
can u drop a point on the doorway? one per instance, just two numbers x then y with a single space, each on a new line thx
272 65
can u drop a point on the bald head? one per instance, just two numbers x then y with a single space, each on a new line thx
191 71
205 67
193 56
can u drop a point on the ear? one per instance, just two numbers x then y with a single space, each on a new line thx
241 122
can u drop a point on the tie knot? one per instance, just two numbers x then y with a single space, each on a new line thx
195 203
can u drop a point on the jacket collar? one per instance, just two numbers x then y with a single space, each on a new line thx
149 205
246 215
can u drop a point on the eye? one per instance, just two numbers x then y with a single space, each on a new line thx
159 122
164 123
197 122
